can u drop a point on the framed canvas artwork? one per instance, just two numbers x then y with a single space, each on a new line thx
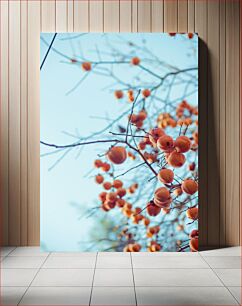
119 142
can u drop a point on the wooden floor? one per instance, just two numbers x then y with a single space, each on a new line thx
216 22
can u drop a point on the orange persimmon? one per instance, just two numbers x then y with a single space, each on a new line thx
107 185
135 60
99 179
118 94
86 66
194 244
111 196
155 134
165 143
182 144
152 209
98 163
121 192
176 159
102 196
190 35
146 93
194 234
120 202
105 167
162 194
117 155
117 184
166 176
192 213
189 186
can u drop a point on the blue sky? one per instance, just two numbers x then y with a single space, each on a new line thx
65 192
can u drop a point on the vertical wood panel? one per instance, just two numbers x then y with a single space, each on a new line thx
213 123
96 16
33 122
144 16
14 123
24 123
48 16
125 16
70 15
4 140
222 122
170 15
201 29
81 16
217 25
134 15
232 122
61 16
157 16
182 16
111 16
191 16
240 131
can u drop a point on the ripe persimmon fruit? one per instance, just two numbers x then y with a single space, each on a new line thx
117 184
192 213
109 204
120 202
166 176
142 115
146 93
136 247
194 234
99 179
152 209
176 159
139 124
192 166
154 247
135 60
189 186
121 192
182 144
162 194
98 163
118 94
165 143
117 155
105 167
86 66
107 185
194 244
102 196
111 196
155 134
190 35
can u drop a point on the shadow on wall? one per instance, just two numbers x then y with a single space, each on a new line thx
209 172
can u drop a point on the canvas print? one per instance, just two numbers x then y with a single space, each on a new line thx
119 142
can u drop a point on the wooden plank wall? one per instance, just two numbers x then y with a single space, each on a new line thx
218 25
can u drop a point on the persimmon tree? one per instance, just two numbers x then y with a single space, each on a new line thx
155 140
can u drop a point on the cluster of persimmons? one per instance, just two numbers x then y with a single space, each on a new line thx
155 145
